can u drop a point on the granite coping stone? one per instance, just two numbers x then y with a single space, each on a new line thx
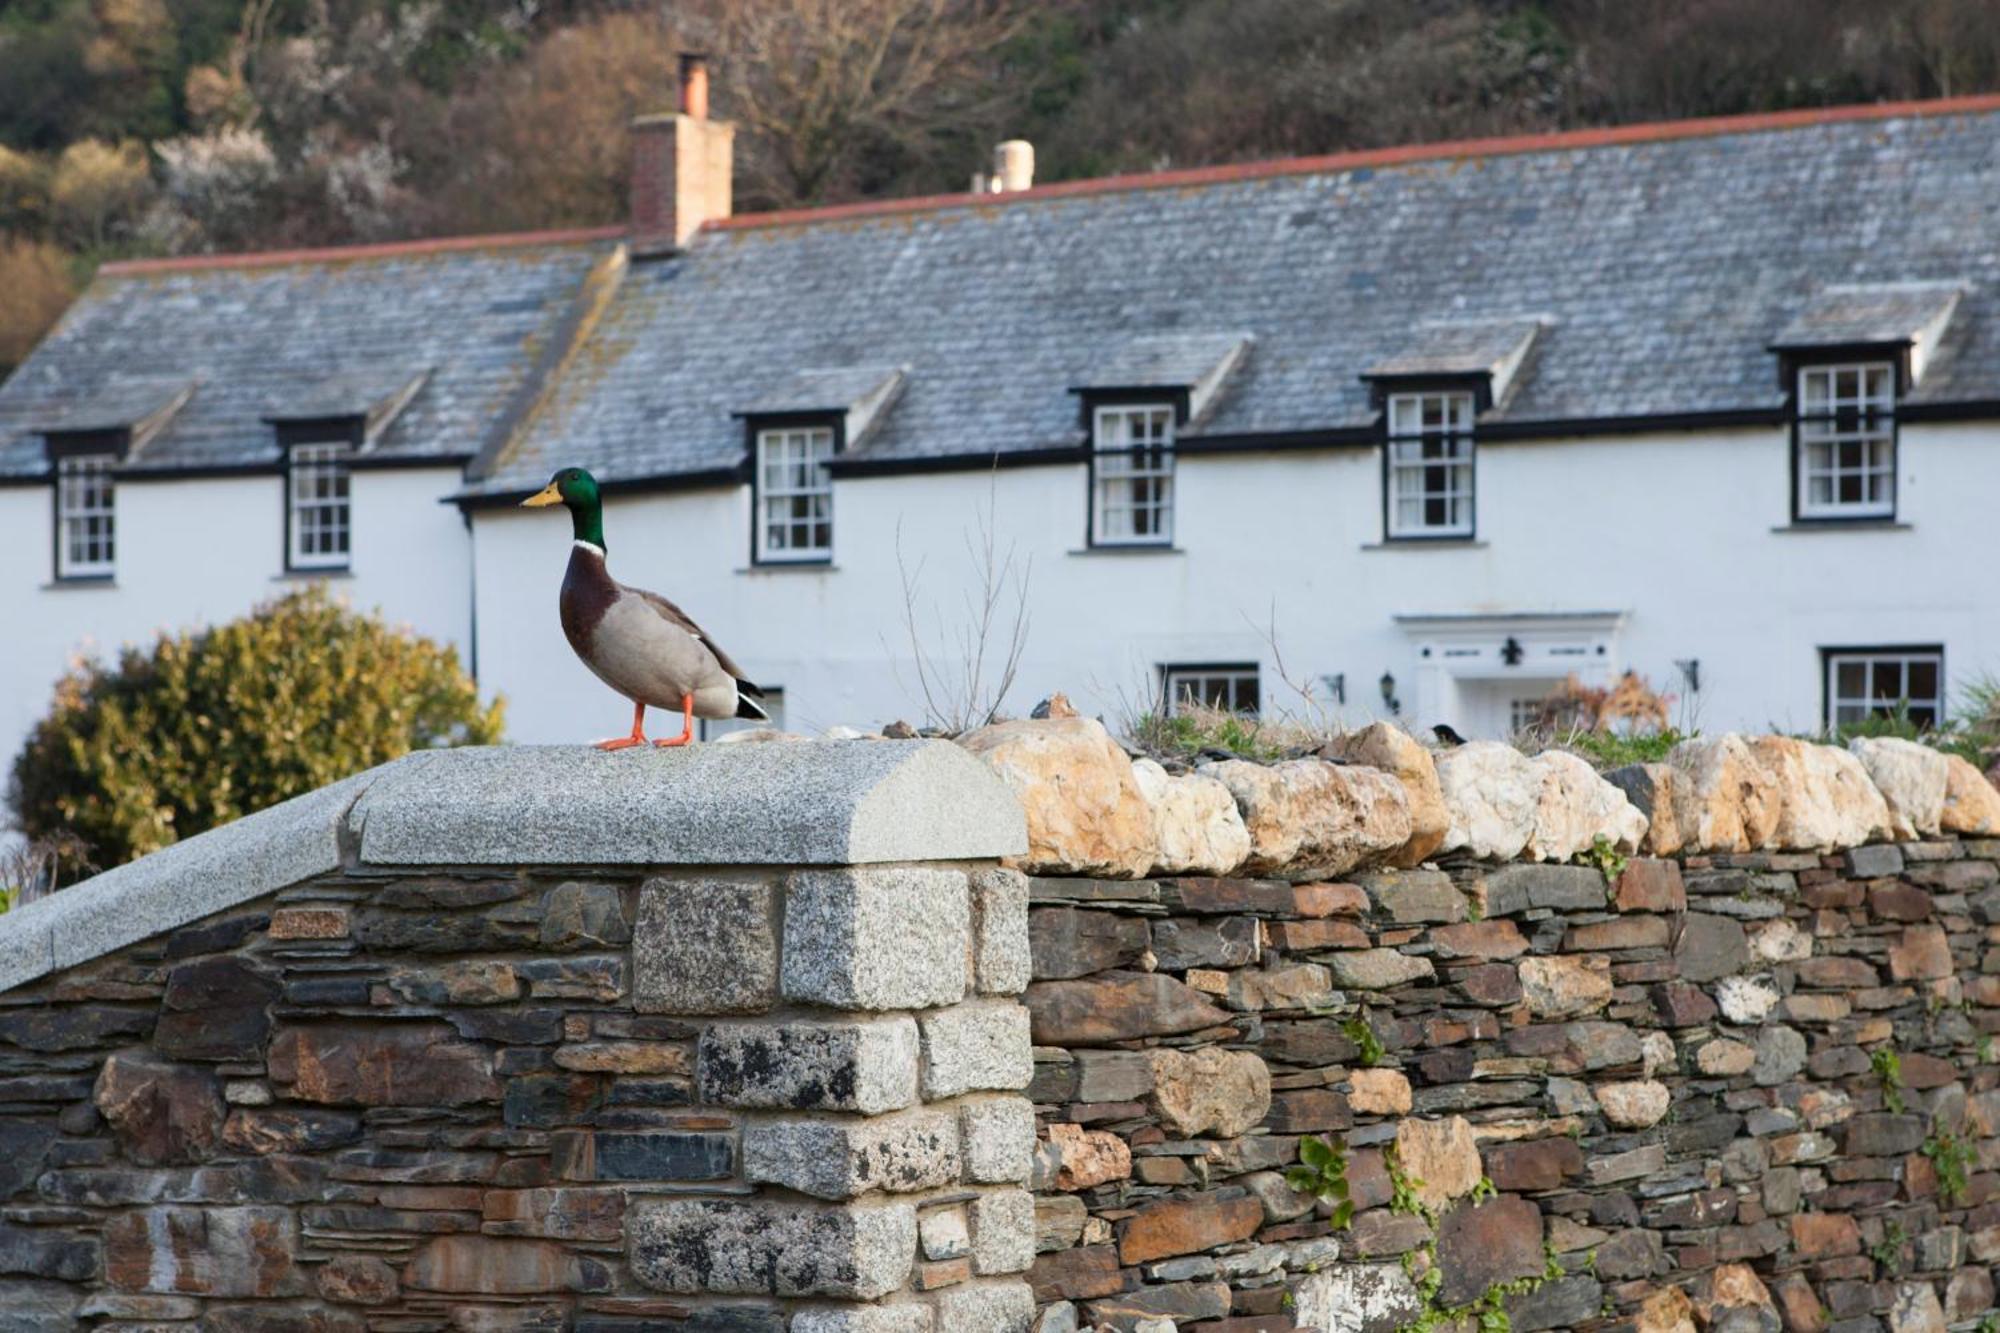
819 803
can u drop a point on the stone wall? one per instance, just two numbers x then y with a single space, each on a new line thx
735 1039
1749 1086
518 1055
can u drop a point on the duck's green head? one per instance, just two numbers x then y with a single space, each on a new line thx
577 490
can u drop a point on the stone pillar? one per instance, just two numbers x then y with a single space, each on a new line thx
540 1037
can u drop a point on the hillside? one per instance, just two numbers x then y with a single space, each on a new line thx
131 127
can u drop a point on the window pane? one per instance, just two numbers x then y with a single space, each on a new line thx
1430 464
795 493
1133 463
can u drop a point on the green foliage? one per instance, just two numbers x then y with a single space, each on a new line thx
1953 1156
1888 1067
1484 1190
1604 854
1888 1251
1988 1049
1608 749
1403 1189
1322 1173
1356 1030
207 726
1194 728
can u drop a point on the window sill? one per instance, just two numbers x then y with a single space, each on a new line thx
80 582
1425 543
1136 548
790 567
330 572
1843 525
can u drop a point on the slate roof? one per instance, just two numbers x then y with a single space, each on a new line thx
1658 264
1457 349
1660 270
269 337
1887 313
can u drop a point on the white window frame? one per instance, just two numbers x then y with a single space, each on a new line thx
794 491
86 516
1180 680
1846 435
1132 474
319 506
1849 706
1429 462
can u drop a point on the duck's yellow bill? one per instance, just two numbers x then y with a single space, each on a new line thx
548 495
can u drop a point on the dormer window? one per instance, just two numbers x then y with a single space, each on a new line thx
1428 469
86 516
1846 433
319 514
793 497
1132 475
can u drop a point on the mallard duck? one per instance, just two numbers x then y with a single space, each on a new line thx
638 642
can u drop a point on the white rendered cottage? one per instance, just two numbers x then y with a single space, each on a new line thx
1718 401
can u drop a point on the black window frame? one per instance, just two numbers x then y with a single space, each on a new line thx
1790 364
1827 654
114 443
348 431
1168 670
1179 399
755 424
1384 387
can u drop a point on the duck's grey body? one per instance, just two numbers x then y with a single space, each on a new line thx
645 647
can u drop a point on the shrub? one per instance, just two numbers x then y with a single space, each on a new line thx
207 726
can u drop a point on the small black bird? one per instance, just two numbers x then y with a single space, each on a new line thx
1446 736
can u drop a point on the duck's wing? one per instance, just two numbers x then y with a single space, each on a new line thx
682 621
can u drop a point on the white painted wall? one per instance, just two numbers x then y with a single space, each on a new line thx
195 552
1677 531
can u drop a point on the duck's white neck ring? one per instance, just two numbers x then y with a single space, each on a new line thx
591 547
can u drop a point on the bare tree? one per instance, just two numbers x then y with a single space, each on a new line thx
821 87
966 669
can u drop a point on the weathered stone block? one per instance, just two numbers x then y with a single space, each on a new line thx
583 915
876 938
216 1009
476 1265
1068 942
978 1046
902 1317
1412 896
1180 943
404 1064
844 1158
1487 1244
204 1251
1210 1091
1358 1298
1441 1154
1116 1007
1377 969
997 1139
1561 987
868 1066
161 1112
705 946
1187 1225
1003 1231
1002 963
986 1307
1711 947
756 1246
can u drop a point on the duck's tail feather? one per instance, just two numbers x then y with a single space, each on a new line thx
747 706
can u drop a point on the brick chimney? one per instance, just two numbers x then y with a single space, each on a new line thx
681 168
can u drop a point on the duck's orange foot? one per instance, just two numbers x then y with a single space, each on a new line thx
687 725
619 743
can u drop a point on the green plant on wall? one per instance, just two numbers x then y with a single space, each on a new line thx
1322 1173
1604 854
1888 1251
1357 1030
1953 1156
1888 1067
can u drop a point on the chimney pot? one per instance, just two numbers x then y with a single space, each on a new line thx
1013 166
694 85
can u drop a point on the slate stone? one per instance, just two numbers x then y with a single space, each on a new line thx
1480 1246
1516 888
1882 1135
502 1266
1874 861
70 1027
216 1009
1187 1225
1533 1165
272 1129
663 1156
204 1251
24 1147
1567 1302
1781 1053
1681 1005
401 1064
1077 1274
382 931
511 1027
218 936
161 1112
1711 947
1415 896
1180 943
40 1252
1069 942
579 978
1115 1007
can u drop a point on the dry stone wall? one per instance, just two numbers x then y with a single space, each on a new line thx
1746 1084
